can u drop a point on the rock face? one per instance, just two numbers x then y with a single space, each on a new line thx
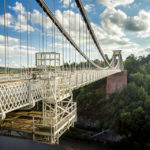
116 82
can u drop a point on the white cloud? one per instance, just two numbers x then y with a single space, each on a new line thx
9 20
10 39
73 5
110 36
14 50
73 26
115 3
108 40
114 42
136 51
88 7
113 20
116 22
13 55
13 22
139 24
18 8
66 3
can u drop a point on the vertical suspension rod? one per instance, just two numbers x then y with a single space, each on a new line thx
5 37
82 10
63 31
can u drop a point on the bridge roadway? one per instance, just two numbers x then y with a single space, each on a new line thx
19 93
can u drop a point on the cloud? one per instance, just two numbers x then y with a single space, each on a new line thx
88 7
135 24
9 20
117 42
73 5
106 40
14 50
110 36
18 8
139 24
73 26
116 22
113 20
136 51
11 40
115 3
13 55
66 3
13 22
147 49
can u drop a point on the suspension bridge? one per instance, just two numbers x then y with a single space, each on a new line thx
73 60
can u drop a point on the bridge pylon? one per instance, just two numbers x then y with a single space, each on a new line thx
117 61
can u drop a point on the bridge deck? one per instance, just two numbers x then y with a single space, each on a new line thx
24 92
55 92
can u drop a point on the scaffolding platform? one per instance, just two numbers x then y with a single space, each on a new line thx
32 126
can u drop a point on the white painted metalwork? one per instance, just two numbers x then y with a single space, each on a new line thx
54 88
15 95
47 59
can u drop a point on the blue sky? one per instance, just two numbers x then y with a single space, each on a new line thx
117 24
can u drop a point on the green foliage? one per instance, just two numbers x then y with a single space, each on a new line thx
88 97
137 78
131 107
132 64
127 112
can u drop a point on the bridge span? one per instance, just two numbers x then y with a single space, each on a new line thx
53 79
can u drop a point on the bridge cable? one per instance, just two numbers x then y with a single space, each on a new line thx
62 37
39 31
90 53
31 35
57 45
20 39
42 32
27 41
54 37
89 50
83 45
86 48
79 43
43 38
46 33
63 31
83 65
52 41
69 42
83 13
28 51
75 38
7 40
5 36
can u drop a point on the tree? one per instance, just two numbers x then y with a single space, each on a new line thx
137 78
132 64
